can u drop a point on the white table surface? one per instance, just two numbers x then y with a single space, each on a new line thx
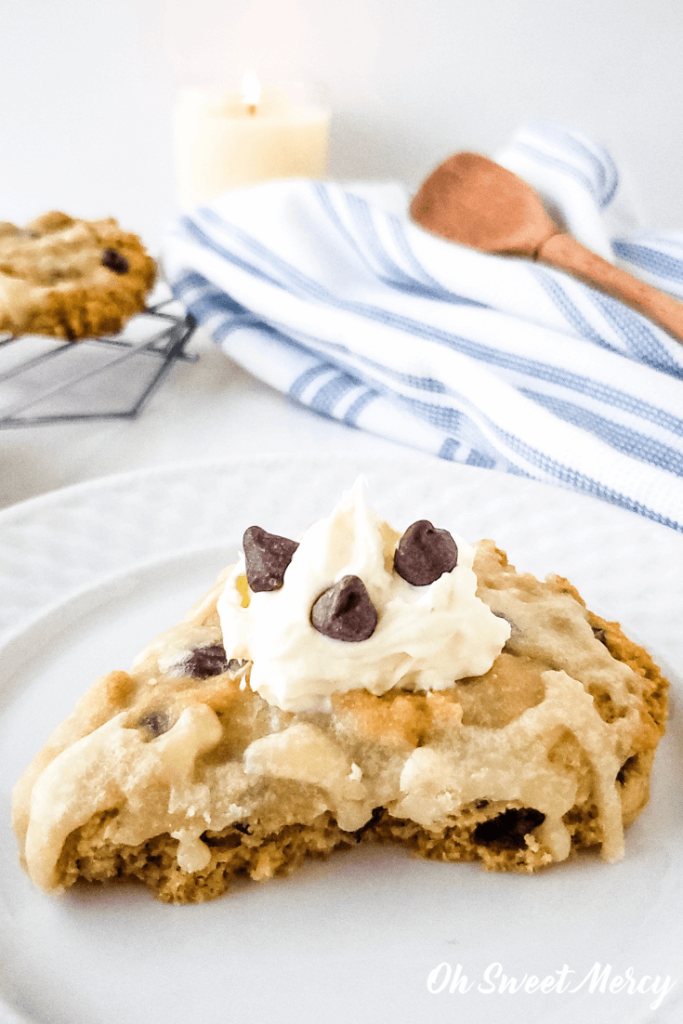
204 410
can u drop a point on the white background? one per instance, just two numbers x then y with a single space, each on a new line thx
86 95
87 88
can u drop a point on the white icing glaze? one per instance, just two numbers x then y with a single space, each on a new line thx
426 637
153 786
307 754
115 767
192 854
14 289
512 764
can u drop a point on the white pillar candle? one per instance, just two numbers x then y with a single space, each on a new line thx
227 140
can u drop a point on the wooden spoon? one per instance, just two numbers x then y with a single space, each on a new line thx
472 200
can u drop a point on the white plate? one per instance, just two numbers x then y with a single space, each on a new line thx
88 574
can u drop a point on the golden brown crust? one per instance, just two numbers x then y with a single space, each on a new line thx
500 834
403 720
251 850
106 697
71 278
239 851
634 776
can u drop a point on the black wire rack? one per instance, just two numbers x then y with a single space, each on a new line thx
59 382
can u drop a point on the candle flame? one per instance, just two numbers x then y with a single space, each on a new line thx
251 91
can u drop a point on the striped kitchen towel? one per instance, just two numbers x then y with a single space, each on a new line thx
330 294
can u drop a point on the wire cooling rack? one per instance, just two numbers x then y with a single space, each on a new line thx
44 380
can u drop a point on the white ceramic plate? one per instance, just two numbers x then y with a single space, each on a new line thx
88 574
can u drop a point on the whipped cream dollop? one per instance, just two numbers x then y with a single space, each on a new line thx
426 637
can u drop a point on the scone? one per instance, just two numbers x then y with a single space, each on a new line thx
358 685
71 278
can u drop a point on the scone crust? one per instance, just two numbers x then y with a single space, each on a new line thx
53 280
291 822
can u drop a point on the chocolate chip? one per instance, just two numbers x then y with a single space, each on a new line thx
425 553
626 769
373 820
509 828
113 260
235 664
206 661
345 611
266 556
224 841
155 723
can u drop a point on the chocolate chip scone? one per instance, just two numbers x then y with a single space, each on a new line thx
436 698
71 278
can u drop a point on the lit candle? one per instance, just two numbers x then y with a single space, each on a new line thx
226 140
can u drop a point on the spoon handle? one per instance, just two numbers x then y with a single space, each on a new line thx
566 253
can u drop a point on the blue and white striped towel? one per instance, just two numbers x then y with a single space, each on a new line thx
330 294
